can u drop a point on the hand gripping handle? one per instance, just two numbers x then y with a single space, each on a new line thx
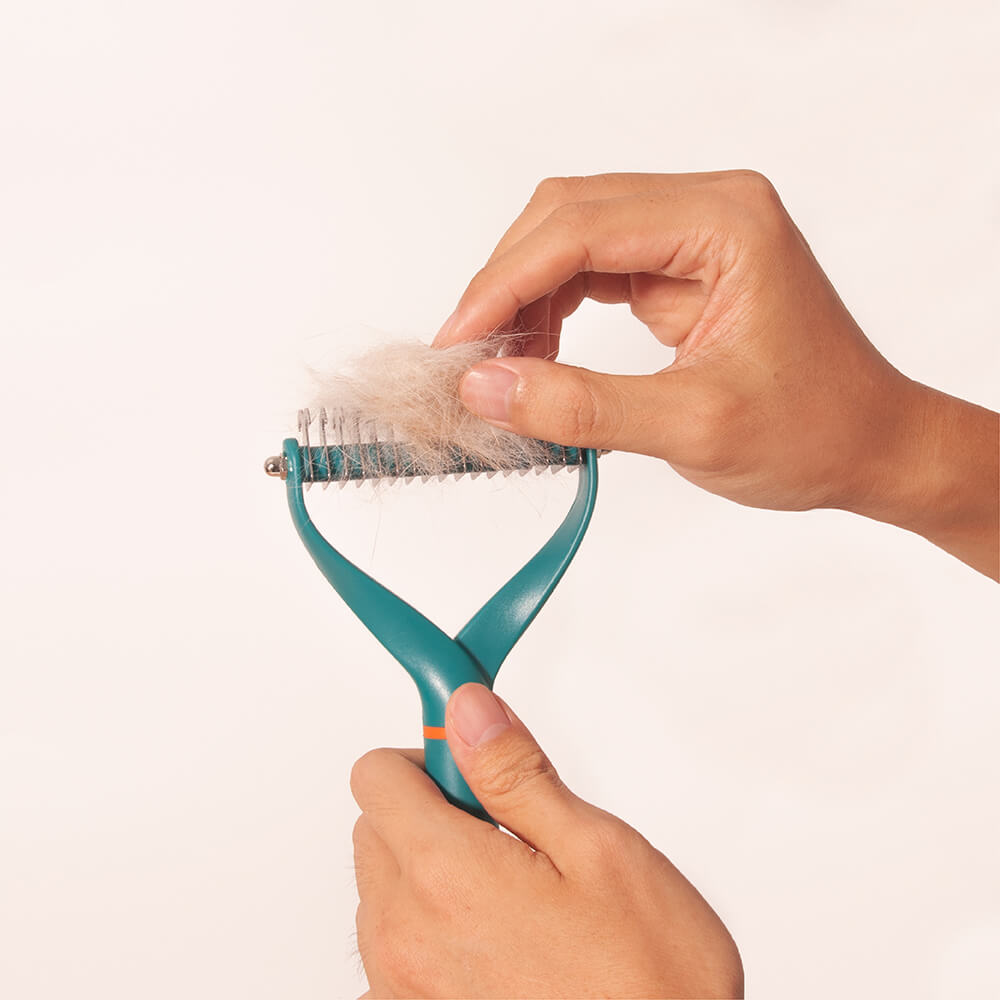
437 663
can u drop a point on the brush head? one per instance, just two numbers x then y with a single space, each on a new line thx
350 449
395 413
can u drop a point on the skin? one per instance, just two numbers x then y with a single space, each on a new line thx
775 399
575 904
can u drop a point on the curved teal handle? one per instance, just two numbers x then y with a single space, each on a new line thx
437 663
502 620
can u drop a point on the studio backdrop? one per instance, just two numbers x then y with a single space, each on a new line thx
199 202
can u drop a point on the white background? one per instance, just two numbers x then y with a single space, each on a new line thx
198 197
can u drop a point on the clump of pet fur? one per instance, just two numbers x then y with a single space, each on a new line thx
410 390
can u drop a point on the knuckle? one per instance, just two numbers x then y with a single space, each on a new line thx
368 865
714 429
585 413
581 415
756 201
363 840
481 282
605 847
575 216
365 771
515 769
400 959
553 191
547 190
360 773
429 871
378 932
754 186
358 833
363 925
365 941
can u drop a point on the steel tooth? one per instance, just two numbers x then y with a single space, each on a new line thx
324 445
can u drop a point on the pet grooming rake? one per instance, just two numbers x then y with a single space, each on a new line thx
437 663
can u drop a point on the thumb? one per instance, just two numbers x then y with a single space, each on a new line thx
507 770
578 407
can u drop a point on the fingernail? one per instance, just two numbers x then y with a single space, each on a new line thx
488 389
441 340
477 715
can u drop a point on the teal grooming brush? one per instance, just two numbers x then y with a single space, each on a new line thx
437 663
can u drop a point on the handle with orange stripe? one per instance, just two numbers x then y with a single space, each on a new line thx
437 663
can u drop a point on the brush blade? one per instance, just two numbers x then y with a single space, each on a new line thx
352 450
376 460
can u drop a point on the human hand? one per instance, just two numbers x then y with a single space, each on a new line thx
580 905
775 397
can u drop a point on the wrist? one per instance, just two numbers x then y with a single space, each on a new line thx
936 472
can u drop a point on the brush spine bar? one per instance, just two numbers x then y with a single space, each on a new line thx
388 460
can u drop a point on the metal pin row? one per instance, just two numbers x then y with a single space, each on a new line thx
375 453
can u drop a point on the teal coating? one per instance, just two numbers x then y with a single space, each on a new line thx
437 663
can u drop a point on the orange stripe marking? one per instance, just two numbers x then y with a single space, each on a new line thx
434 733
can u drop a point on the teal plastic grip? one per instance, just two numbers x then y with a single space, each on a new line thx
437 663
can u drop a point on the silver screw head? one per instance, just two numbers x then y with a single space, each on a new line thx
275 466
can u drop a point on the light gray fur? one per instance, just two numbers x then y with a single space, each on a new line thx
410 391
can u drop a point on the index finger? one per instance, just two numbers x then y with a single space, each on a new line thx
627 235
554 192
406 809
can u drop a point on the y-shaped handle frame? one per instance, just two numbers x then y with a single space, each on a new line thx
437 663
